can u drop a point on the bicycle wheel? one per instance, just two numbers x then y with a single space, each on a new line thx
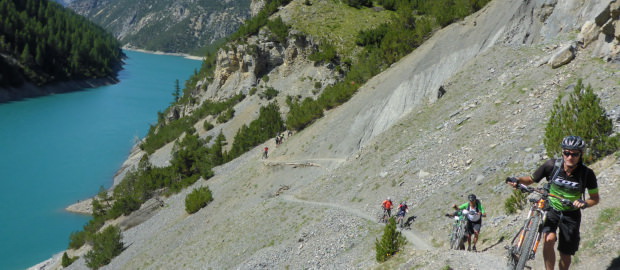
461 235
453 234
530 234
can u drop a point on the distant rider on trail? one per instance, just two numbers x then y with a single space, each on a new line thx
475 213
402 211
387 206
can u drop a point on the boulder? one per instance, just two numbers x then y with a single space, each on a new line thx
563 56
589 33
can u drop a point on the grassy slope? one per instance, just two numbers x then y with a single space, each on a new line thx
334 21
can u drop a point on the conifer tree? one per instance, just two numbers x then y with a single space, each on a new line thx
581 114
390 243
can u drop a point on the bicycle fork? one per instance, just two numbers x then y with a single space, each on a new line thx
539 234
528 226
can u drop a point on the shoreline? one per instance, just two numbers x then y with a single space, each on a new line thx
29 90
187 56
82 207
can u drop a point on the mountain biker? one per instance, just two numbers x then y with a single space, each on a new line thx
402 211
475 213
568 178
387 206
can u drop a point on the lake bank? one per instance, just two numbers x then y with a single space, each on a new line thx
187 56
29 90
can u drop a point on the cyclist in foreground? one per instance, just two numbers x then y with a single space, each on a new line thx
568 180
475 212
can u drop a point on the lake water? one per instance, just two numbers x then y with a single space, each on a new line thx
59 149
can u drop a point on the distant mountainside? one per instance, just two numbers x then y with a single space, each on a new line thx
175 26
41 43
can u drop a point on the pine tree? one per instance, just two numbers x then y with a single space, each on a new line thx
177 91
581 114
106 245
390 243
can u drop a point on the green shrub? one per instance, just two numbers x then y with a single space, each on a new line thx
326 53
198 199
226 115
279 29
317 85
77 239
207 125
253 91
359 3
391 241
66 260
516 201
269 94
106 245
581 114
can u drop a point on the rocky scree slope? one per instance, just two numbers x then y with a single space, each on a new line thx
312 203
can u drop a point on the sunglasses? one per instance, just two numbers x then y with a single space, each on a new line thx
569 154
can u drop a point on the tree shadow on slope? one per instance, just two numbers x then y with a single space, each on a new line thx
615 264
501 239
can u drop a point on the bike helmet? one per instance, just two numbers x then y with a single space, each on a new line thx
471 197
389 199
573 143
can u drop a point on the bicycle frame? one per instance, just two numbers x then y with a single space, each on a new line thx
537 208
524 245
458 230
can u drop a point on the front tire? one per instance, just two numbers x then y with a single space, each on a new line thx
530 234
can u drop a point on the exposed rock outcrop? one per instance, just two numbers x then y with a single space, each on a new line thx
605 29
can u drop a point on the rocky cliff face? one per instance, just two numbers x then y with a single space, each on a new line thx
167 25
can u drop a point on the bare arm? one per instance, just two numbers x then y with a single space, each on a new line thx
592 201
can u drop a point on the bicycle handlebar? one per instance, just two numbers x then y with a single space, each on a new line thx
545 193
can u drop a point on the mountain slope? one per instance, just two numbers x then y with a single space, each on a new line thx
175 26
311 203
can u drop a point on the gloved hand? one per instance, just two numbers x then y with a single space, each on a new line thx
511 180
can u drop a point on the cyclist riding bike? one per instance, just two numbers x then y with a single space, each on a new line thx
568 178
475 212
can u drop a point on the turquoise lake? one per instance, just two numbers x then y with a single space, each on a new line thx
58 149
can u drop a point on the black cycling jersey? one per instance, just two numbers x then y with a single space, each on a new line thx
568 187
